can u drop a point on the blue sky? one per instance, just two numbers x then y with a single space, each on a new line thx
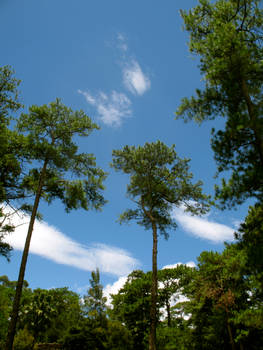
127 65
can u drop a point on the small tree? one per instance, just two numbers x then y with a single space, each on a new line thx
60 172
95 302
131 307
159 180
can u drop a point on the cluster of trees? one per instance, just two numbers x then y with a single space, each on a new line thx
60 317
216 305
39 160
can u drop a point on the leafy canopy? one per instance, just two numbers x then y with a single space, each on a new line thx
94 301
227 37
159 179
11 152
70 176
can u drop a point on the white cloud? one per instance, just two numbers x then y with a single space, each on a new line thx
47 241
134 79
114 288
116 106
122 42
202 227
112 109
236 223
172 266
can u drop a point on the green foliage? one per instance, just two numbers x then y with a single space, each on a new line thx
7 292
38 313
11 152
227 36
6 295
50 130
68 313
57 171
131 307
250 242
221 302
49 314
172 283
90 335
95 302
23 340
81 338
118 337
159 179
10 141
9 101
113 336
177 337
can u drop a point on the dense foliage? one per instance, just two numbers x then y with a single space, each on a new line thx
227 37
217 305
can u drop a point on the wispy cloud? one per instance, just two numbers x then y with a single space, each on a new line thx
134 79
122 42
204 228
48 242
112 109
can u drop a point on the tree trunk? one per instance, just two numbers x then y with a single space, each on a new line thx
153 320
230 336
19 286
168 310
254 121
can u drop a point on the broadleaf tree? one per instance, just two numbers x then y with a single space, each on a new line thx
159 180
58 171
227 36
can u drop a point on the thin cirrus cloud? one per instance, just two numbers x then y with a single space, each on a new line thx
112 108
202 227
134 79
48 242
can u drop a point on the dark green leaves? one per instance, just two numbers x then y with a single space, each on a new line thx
227 37
159 179
70 176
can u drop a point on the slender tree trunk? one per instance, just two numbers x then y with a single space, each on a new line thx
19 286
168 313
153 320
254 120
230 336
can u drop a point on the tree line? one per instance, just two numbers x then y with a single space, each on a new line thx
216 305
40 161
